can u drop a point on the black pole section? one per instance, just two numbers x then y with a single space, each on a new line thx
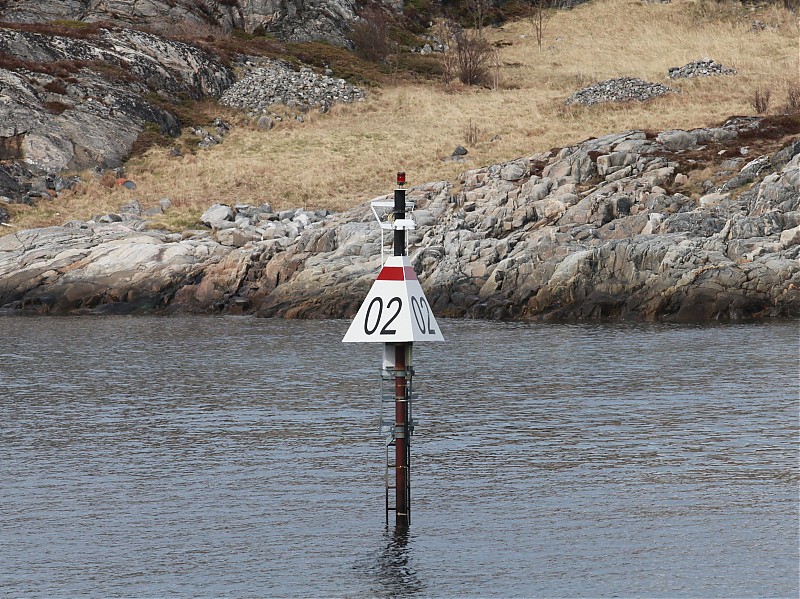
400 212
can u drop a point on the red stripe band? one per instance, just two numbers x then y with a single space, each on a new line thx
397 273
391 273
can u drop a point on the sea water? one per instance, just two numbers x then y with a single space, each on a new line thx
235 456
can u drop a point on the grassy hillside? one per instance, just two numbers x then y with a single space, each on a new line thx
338 159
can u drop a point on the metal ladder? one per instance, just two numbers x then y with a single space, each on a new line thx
387 427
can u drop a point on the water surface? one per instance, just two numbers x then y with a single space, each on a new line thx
207 457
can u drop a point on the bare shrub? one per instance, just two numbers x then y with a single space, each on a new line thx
56 86
467 56
57 68
472 134
583 79
56 107
792 105
190 31
445 33
473 56
11 146
108 179
726 10
371 35
760 100
63 27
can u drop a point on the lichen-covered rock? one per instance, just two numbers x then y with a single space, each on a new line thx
109 268
217 214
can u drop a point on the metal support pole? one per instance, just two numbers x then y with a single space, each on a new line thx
402 439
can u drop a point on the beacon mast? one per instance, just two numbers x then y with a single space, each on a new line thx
396 313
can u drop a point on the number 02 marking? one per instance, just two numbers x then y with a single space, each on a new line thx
385 330
370 329
422 314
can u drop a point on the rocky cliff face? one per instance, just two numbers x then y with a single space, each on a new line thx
81 100
298 20
603 229
72 103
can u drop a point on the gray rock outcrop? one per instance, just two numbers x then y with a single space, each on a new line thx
109 268
601 229
299 20
80 103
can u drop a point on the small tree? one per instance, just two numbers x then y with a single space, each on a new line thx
539 17
792 100
370 34
445 32
467 56
478 10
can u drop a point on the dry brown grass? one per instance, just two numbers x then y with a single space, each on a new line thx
339 159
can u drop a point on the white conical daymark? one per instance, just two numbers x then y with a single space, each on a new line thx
395 309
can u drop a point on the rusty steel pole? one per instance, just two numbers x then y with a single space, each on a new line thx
402 440
402 432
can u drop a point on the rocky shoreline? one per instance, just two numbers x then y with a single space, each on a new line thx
607 229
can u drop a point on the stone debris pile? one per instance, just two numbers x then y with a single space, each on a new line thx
621 89
242 223
208 139
21 185
275 82
703 67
